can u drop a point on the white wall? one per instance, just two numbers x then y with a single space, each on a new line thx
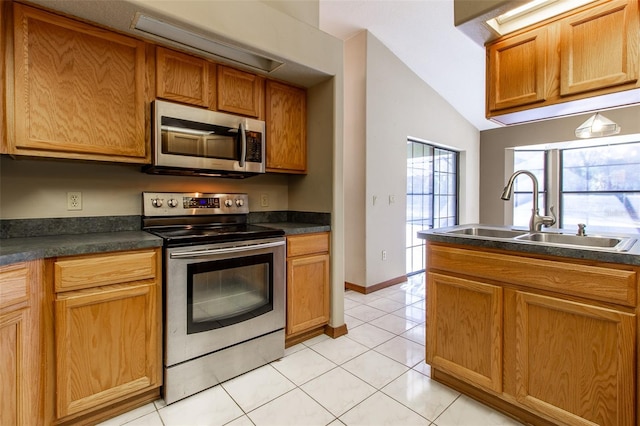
493 143
398 105
355 151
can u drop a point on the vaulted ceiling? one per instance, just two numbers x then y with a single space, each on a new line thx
421 33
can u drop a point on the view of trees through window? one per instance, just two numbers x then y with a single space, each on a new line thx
432 196
596 185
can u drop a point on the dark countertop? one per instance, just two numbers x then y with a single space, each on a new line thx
631 257
293 228
14 250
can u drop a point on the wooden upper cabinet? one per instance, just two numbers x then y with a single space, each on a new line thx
240 92
79 90
566 64
599 48
573 362
286 124
516 70
464 329
182 78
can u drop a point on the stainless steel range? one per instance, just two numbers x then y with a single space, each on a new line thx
224 289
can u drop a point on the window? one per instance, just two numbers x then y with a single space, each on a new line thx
432 196
601 187
595 185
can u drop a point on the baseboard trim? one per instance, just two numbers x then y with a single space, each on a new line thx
335 332
302 336
375 287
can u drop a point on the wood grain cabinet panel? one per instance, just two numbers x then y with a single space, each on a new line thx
76 272
182 78
107 331
516 70
21 356
574 362
464 329
599 48
286 128
106 345
308 293
79 90
240 92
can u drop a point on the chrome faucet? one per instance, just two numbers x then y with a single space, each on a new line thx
536 221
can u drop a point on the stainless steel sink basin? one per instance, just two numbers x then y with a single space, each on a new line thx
558 239
486 232
613 243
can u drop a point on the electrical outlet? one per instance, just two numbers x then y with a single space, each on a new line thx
74 200
264 200
384 255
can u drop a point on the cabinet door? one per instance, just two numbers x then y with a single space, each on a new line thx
286 129
573 362
20 347
106 345
307 292
464 329
182 78
79 90
599 48
14 347
516 70
240 92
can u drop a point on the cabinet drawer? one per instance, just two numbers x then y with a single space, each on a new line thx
78 272
299 245
594 282
14 284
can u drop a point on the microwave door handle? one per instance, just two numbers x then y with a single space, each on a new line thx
243 144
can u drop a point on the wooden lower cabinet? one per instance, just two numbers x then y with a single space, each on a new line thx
21 344
573 362
465 329
107 337
307 283
535 337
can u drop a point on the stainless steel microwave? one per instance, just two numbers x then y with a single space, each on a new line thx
194 141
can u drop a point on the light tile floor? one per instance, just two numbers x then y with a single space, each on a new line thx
375 375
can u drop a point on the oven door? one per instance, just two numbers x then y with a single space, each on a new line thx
218 295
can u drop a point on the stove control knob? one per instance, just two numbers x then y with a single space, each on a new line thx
228 203
157 202
172 202
239 203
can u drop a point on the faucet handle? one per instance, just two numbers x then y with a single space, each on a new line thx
550 220
581 231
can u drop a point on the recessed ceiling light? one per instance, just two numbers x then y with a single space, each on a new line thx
531 13
202 44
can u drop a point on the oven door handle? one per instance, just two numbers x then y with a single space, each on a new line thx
210 252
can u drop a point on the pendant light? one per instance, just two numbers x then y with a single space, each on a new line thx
597 125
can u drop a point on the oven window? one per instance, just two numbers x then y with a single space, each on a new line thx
226 292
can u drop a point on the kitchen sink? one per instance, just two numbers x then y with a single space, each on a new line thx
614 243
551 238
478 231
